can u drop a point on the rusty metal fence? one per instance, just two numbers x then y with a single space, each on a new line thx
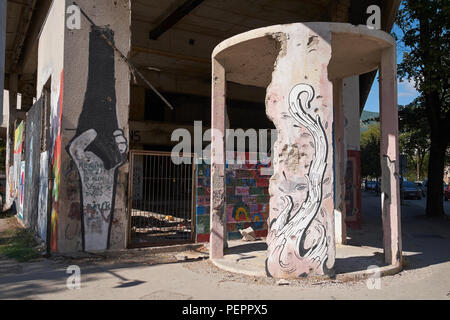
160 200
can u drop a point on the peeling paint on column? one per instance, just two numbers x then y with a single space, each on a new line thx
301 226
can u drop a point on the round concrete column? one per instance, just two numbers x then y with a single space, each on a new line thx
302 66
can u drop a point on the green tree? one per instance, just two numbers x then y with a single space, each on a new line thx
426 62
370 151
414 136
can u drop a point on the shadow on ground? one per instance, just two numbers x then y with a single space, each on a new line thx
425 241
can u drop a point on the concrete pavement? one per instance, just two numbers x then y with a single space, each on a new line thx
426 274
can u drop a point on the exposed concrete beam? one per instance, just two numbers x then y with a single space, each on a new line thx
27 14
30 44
339 11
171 55
174 18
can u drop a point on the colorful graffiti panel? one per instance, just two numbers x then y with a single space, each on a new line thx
18 139
247 199
21 190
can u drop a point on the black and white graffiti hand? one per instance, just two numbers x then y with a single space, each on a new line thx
79 145
97 187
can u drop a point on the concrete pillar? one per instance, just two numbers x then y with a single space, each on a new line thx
93 197
352 152
2 54
299 101
339 163
12 116
218 183
390 190
90 99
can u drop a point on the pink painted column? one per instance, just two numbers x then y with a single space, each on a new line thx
299 101
390 196
218 185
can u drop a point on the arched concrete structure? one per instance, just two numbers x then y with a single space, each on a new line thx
302 66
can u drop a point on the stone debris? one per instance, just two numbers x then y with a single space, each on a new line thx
181 257
248 234
190 256
283 282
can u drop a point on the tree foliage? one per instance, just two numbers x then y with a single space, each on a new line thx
426 62
414 136
370 151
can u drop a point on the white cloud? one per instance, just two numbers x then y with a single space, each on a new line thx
406 89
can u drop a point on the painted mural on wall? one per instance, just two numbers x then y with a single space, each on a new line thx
353 189
18 138
43 196
99 146
18 145
297 240
55 158
21 190
32 159
247 199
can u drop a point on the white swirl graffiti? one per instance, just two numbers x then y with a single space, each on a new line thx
286 239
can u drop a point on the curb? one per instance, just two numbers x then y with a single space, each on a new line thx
219 263
349 276
112 253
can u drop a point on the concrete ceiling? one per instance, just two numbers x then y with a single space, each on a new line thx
15 28
24 21
186 47
183 49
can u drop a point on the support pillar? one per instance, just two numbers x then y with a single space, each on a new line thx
339 163
390 189
299 101
218 185
12 115
352 135
2 53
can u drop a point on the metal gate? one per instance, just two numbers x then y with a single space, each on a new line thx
160 200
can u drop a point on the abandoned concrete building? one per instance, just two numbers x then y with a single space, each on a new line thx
88 163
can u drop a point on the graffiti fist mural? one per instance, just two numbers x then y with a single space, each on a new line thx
99 146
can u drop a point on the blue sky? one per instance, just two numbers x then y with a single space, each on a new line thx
406 90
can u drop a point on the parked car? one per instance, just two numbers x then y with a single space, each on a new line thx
410 190
421 187
370 185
